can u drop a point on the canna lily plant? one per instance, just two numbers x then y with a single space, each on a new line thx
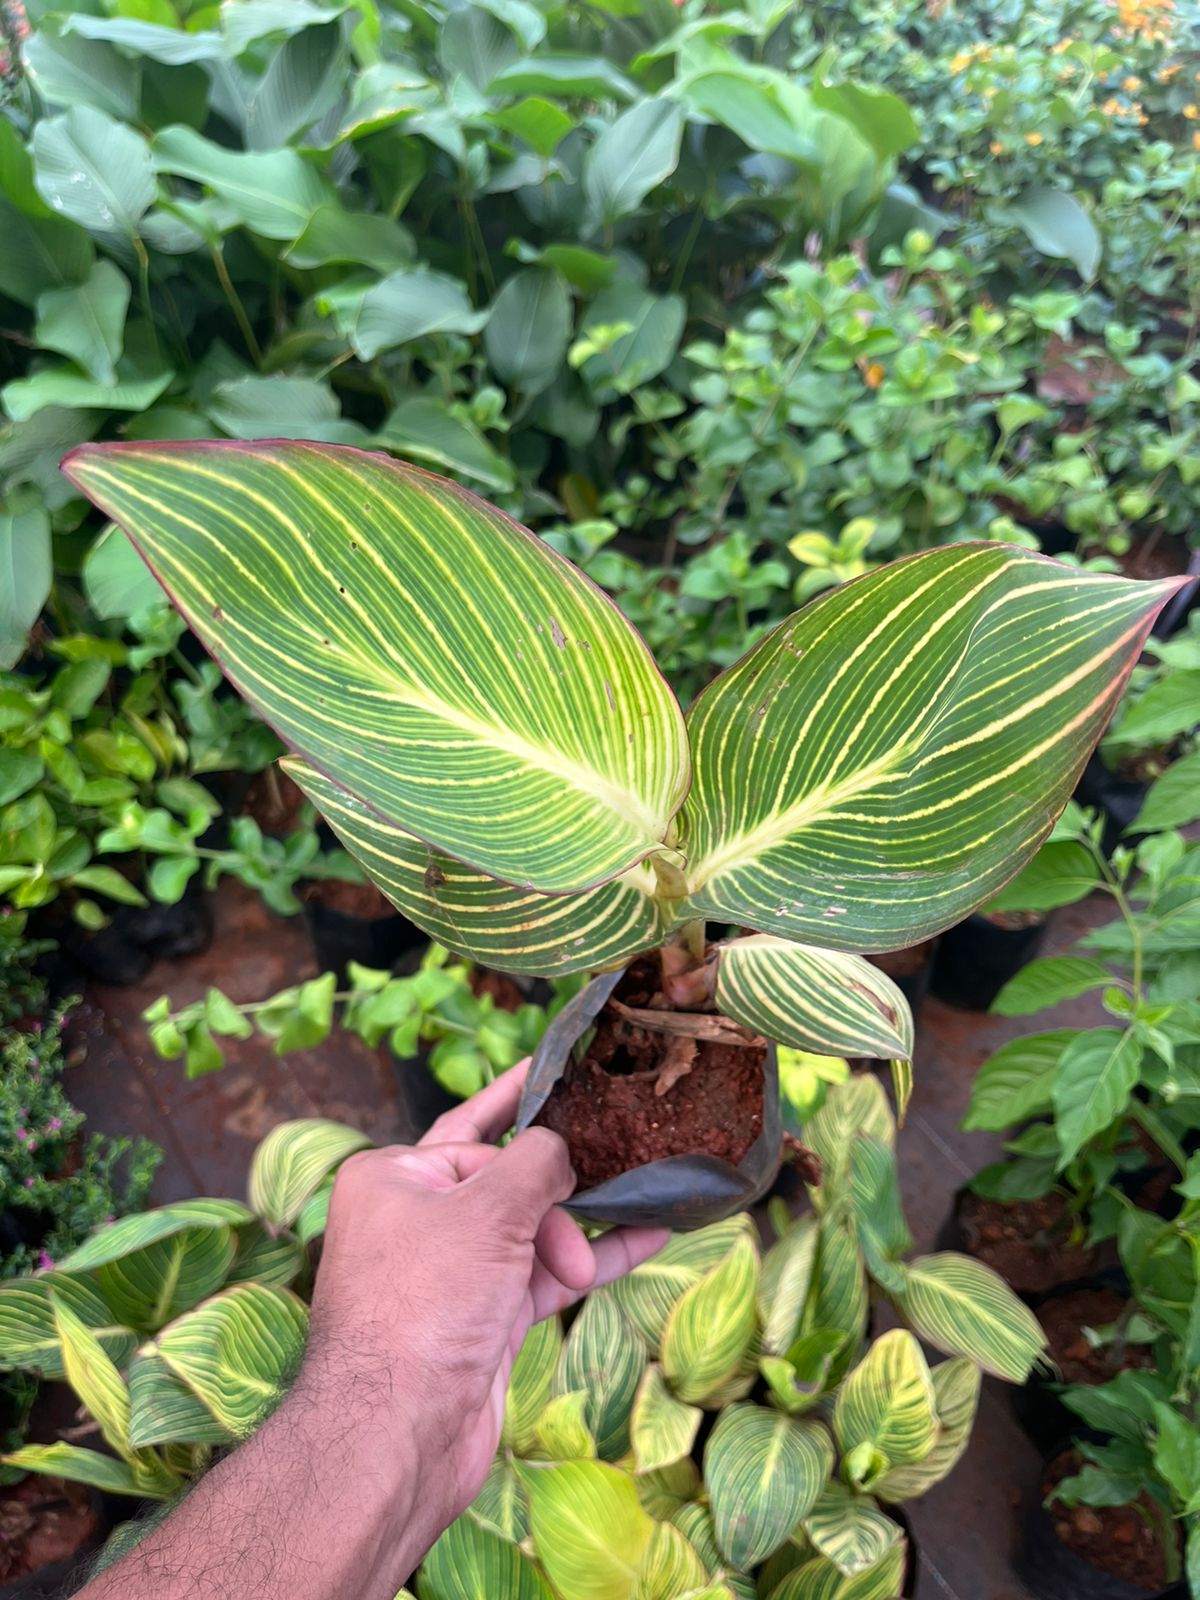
492 740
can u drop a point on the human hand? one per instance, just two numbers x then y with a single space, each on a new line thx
437 1260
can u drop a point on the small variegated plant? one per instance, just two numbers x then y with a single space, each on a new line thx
491 739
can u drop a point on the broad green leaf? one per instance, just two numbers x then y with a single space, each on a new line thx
273 194
1167 708
149 1287
290 408
956 1387
81 1466
502 1504
82 72
1016 1082
820 1000
542 124
662 1428
405 305
116 580
767 110
94 1377
333 586
135 1233
64 385
238 1352
302 81
850 1529
821 1579
589 77
881 118
424 429
249 21
163 1410
801 1379
29 1335
918 732
39 253
172 46
604 1356
589 1529
671 1569
528 328
87 322
362 238
561 1432
884 1415
479 917
1096 1075
653 327
530 1382
16 173
1045 983
292 1163
1063 871
632 155
962 1307
710 1328
475 46
95 171
25 572
1056 224
1174 798
469 1562
763 1472
788 1271
650 1292
19 771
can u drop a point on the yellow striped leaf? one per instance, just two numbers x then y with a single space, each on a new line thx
29 1336
857 1106
469 1562
478 916
963 1308
650 1292
265 1258
671 1569
561 1432
695 1523
956 1387
663 1429
237 1352
530 1382
134 1233
801 1379
430 655
820 1579
891 755
163 1410
763 1472
94 1379
839 1300
825 1001
150 1287
711 1328
788 1269
664 1490
589 1529
293 1161
884 1415
83 1466
502 1505
604 1356
850 1529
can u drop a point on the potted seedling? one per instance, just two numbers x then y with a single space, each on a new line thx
492 740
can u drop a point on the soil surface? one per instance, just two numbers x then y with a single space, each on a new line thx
1065 1316
1120 1540
507 994
361 900
609 1108
43 1520
1028 1242
904 963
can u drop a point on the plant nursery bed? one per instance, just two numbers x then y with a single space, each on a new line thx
1118 1540
1065 1317
1027 1242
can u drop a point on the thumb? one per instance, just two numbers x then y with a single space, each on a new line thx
526 1179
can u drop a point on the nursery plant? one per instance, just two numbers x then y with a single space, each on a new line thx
491 739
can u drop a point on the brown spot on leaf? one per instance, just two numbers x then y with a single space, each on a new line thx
218 614
434 876
557 634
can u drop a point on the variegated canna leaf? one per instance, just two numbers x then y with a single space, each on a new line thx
664 1490
764 1472
530 1383
889 756
477 916
561 1432
163 1410
956 1387
95 1379
589 1528
604 1356
430 655
663 1429
469 1562
671 1569
851 1530
502 1504
86 1466
650 1292
150 1287
135 1233
884 1415
821 1579
962 1307
857 1106
292 1163
29 1337
788 1269
825 1001
711 1328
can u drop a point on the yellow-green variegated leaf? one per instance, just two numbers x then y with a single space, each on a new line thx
884 1415
663 1428
825 1001
695 1522
561 1432
788 1270
857 1106
237 1352
839 1299
530 1382
604 1356
134 1233
94 1379
590 1530
891 755
820 1579
150 1287
470 1562
963 1308
649 1293
84 1466
163 1410
478 916
29 1336
502 1504
763 1471
671 1569
663 1491
430 655
293 1161
956 1386
711 1328
850 1529
263 1257
801 1379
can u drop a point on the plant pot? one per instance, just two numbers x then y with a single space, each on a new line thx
1052 1570
137 936
909 970
1037 1403
1030 1267
1119 799
341 936
976 959
679 1191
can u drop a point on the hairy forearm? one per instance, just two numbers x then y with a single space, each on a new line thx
322 1502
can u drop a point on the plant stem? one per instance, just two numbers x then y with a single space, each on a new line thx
235 304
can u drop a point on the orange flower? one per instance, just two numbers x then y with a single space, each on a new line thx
1112 107
996 147
873 375
1132 85
1033 138
1191 112
1167 73
1196 140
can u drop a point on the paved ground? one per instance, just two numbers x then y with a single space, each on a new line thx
966 1529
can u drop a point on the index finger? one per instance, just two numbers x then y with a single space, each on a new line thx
485 1116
